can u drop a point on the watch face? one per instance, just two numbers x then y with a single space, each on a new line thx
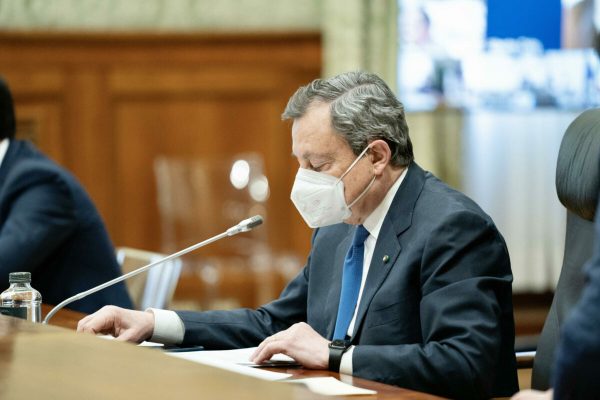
339 343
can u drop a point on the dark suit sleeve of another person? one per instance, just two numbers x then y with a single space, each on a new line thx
466 328
38 216
576 373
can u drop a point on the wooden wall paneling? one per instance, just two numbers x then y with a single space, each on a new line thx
39 121
90 142
108 104
38 97
190 125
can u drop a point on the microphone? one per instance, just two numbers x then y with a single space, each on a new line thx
244 226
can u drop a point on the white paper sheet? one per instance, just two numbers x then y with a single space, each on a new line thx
329 386
143 344
238 361
242 356
229 360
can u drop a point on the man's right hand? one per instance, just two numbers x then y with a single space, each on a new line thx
123 324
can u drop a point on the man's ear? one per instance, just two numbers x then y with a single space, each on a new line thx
380 155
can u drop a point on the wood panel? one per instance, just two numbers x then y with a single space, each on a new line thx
105 105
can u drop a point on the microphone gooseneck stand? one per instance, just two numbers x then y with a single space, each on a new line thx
244 226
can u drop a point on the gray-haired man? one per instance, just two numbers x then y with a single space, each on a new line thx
408 282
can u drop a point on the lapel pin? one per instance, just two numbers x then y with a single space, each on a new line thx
386 258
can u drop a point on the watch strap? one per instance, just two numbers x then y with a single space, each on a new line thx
337 348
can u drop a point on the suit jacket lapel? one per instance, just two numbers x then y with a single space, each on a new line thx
397 220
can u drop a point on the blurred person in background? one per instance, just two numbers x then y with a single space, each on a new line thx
49 226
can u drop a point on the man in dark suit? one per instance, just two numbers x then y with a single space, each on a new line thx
408 282
49 226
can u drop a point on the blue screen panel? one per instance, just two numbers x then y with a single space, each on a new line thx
511 19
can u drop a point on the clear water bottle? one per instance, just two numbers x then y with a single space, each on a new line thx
20 299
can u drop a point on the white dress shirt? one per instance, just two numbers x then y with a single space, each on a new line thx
169 328
3 149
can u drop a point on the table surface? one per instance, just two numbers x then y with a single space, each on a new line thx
53 362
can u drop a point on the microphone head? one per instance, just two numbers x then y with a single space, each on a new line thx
245 225
252 222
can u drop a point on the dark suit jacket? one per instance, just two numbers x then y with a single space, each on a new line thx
49 226
578 356
437 317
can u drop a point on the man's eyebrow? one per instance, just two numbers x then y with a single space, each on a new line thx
304 156
308 154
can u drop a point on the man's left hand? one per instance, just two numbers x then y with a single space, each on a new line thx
300 342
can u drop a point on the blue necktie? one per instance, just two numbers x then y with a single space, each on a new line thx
351 277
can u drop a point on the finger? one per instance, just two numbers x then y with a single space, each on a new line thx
256 351
262 356
101 323
278 336
127 336
97 330
90 322
260 348
83 322
133 326
269 350
85 326
258 357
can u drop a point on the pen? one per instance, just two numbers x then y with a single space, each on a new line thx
183 349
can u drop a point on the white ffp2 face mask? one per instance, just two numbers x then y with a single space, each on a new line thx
319 197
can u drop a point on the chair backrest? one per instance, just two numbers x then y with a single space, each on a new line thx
200 197
155 287
577 185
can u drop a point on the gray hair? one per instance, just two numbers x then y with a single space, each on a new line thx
363 108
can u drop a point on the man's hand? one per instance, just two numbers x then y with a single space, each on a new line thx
123 324
533 395
300 342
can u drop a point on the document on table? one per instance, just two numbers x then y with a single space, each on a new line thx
143 344
238 361
232 360
242 357
329 386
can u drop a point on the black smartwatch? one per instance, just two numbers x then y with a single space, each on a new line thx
336 348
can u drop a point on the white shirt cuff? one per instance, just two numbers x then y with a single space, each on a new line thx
346 363
168 327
